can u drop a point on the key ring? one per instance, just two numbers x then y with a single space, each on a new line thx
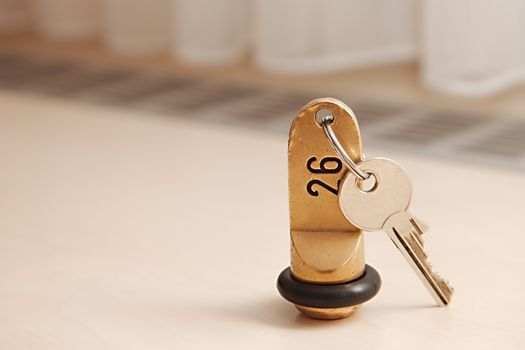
338 148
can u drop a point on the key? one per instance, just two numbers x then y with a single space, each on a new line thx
381 203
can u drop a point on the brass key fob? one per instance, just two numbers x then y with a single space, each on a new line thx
327 277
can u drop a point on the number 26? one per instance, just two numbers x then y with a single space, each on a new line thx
323 169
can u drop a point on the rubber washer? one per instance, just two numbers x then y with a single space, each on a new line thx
329 295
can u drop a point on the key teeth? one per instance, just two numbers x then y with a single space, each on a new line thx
447 283
443 284
406 233
443 281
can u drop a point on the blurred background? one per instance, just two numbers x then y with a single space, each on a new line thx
447 76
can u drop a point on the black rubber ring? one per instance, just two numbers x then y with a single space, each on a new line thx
329 295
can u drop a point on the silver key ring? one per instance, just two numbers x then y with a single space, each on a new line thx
338 148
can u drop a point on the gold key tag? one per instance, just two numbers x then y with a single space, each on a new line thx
327 278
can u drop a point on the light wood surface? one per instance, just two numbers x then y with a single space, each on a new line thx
129 231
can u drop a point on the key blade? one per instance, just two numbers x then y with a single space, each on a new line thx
405 233
420 226
436 285
444 289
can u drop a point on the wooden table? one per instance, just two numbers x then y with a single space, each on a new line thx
121 230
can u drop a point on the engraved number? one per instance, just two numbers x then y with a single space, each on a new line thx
324 168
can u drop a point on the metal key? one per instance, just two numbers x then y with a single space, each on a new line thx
383 206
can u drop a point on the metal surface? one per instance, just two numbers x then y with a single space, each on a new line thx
370 210
384 207
325 247
328 314
406 235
